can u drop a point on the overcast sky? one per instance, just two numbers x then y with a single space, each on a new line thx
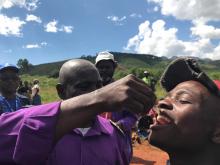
52 30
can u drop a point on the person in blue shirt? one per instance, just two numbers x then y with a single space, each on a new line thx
9 82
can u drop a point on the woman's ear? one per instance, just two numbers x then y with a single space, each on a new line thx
216 134
60 90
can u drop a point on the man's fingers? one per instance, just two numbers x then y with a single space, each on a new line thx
138 85
147 100
134 106
128 92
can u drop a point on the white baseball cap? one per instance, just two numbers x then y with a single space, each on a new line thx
104 56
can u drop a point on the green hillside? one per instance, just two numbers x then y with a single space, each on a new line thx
128 63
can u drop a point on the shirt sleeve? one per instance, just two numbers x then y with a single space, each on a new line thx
127 120
27 135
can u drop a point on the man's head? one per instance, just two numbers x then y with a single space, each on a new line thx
106 65
146 73
36 81
26 83
9 79
187 118
77 77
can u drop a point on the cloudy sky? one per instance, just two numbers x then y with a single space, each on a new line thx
52 30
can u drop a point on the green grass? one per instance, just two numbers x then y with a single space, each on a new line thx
47 87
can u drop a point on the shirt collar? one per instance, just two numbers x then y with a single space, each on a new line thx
100 126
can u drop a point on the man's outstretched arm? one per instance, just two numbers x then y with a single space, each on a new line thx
28 135
127 93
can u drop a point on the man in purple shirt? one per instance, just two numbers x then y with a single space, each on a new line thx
28 136
84 145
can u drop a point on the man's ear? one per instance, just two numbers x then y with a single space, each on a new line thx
60 90
216 133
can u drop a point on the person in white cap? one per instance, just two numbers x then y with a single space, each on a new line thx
106 66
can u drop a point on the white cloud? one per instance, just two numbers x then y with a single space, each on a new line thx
30 5
7 51
117 20
156 9
190 9
53 27
31 17
31 46
203 30
67 29
6 4
10 26
215 55
34 46
135 15
160 41
43 43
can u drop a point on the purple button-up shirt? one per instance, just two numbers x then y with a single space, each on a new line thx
27 135
27 138
126 118
103 144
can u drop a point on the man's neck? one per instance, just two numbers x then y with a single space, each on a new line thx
8 95
203 157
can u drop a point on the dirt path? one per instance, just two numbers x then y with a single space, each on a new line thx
145 154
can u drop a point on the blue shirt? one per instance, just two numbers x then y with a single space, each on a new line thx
9 105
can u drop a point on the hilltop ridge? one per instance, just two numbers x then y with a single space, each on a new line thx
128 63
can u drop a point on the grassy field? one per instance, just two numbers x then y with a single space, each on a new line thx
48 88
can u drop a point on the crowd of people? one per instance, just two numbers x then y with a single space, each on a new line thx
93 121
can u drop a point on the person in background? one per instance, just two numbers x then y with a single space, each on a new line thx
149 79
98 135
22 92
29 135
106 65
20 87
187 119
9 82
27 89
35 96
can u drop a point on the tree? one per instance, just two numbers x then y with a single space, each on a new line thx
24 65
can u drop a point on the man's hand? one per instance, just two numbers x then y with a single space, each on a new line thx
128 93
